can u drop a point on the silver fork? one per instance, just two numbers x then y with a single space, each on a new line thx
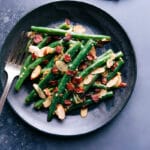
12 67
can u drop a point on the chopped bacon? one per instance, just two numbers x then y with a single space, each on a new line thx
71 72
104 80
49 39
83 66
67 21
54 82
56 37
67 102
97 90
95 97
114 66
123 84
67 58
77 80
70 86
67 37
55 70
79 90
37 38
34 56
55 89
59 49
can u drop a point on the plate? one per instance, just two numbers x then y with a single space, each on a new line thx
96 21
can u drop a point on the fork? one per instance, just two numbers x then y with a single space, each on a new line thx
13 66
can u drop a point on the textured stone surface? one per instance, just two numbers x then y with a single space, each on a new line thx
131 129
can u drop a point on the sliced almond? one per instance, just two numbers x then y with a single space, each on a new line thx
113 82
33 49
30 34
36 72
77 99
47 102
61 66
84 112
39 91
88 79
93 52
102 93
119 79
47 92
47 50
60 112
79 29
109 63
98 70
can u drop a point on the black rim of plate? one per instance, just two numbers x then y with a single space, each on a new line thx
112 115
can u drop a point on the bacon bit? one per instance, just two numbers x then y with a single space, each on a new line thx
37 38
90 57
67 21
55 70
54 82
77 80
123 84
34 56
97 90
70 86
59 49
45 61
49 39
67 37
84 112
104 80
55 90
47 92
95 97
71 72
67 58
83 66
79 29
67 102
79 90
114 66
56 37
36 72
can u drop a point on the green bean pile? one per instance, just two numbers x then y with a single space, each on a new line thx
65 71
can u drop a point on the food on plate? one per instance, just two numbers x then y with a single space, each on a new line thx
65 71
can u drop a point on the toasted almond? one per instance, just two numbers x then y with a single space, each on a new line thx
39 91
77 99
33 49
84 112
47 92
109 63
47 102
61 66
93 52
79 29
102 93
60 112
30 34
36 72
47 50
98 70
119 79
88 79
113 82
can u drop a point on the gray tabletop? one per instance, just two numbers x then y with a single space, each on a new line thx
131 129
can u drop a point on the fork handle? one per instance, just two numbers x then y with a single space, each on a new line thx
5 91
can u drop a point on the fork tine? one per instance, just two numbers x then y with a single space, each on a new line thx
16 55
